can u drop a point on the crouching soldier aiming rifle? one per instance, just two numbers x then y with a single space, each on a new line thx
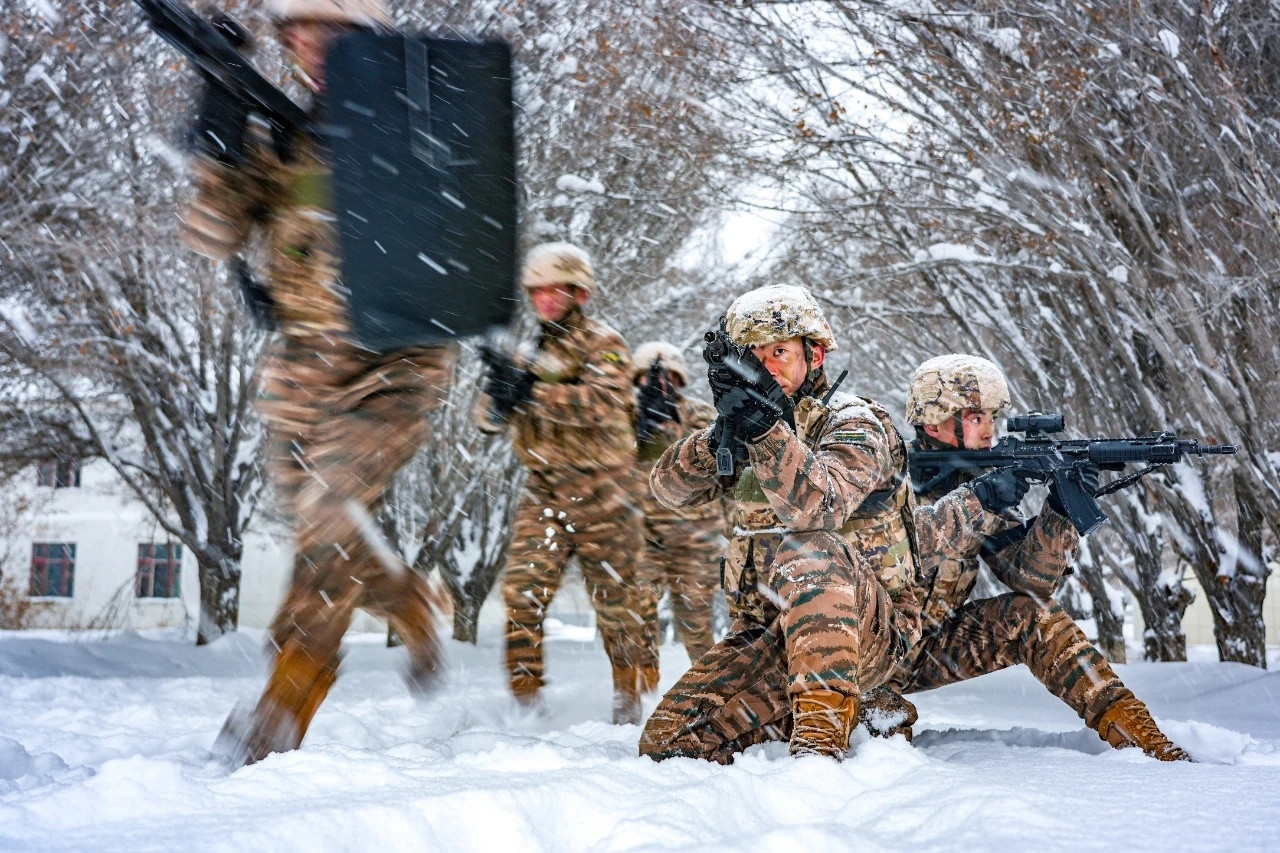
953 404
820 571
682 546
569 408
343 414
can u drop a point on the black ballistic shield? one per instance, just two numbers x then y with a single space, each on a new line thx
423 147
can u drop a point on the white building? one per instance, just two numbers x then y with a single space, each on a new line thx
89 556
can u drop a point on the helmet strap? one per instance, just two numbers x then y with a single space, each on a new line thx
811 376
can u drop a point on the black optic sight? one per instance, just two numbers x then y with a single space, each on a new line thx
1034 423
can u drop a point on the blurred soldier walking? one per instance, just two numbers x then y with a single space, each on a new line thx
682 546
341 420
953 404
820 572
570 408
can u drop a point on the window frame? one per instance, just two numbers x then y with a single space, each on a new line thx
144 583
58 473
65 562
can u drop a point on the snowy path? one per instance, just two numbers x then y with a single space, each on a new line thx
105 746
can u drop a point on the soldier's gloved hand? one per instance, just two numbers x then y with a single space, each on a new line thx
1087 474
221 125
999 490
509 386
757 401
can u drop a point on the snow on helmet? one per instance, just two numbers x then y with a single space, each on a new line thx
647 353
364 13
950 384
778 312
558 263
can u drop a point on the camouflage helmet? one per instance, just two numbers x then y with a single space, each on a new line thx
778 312
647 353
558 263
364 13
950 384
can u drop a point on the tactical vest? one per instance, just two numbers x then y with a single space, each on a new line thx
882 528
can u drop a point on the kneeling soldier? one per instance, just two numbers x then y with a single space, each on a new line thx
820 570
953 403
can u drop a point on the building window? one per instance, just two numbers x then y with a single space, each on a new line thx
53 569
158 564
58 473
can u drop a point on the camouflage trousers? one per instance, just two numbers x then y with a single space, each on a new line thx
562 515
832 630
341 422
994 633
682 556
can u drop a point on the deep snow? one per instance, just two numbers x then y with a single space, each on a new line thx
104 745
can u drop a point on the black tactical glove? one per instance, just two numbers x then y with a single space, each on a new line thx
748 397
1086 474
656 404
999 490
220 126
509 387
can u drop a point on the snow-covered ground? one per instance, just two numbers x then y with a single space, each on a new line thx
104 745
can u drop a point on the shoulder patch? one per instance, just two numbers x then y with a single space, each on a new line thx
851 436
612 357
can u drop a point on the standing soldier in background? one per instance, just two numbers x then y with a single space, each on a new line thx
341 420
682 546
570 408
953 404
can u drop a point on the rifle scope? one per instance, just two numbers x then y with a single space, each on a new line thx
1035 423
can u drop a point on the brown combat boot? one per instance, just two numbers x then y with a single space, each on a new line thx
886 713
294 691
628 683
526 689
1128 723
822 721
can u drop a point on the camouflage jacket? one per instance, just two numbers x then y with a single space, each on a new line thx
583 406
289 206
1029 557
695 415
842 471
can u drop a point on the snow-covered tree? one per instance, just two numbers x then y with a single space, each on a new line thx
116 343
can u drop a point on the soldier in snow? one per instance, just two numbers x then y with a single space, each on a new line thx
953 404
570 408
821 573
341 420
682 546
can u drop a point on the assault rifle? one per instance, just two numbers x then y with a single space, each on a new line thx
1037 457
656 403
730 365
213 48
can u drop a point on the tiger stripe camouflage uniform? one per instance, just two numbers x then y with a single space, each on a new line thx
964 639
682 546
341 421
821 589
576 440
741 698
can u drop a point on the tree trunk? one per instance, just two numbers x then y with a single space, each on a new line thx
219 596
1162 611
1234 580
1110 625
